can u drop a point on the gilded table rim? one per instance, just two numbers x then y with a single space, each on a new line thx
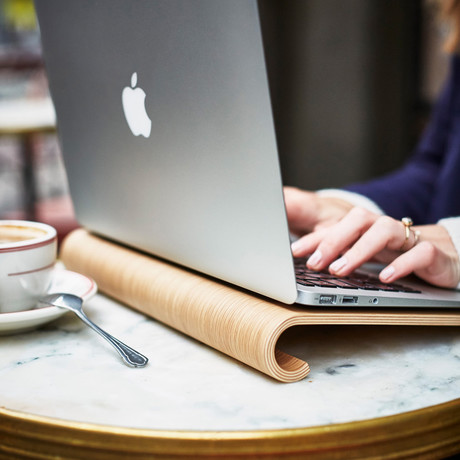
429 432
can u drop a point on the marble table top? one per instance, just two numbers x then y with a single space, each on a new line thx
66 371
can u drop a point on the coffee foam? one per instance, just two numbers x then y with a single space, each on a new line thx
15 233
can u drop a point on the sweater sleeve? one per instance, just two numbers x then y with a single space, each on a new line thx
409 190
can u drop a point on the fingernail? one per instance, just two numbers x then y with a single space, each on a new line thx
338 264
315 258
387 273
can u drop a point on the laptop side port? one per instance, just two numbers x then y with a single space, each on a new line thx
349 300
327 299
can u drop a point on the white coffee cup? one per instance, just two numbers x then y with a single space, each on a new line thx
27 258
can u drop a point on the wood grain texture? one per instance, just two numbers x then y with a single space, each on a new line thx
244 326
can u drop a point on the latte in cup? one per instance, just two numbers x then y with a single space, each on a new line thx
15 233
27 258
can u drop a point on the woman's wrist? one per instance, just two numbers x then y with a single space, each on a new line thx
452 225
353 198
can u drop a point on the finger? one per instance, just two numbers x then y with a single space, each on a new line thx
340 236
385 233
426 261
307 244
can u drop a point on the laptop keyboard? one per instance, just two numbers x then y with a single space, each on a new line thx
307 277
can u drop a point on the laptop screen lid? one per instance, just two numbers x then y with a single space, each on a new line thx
194 178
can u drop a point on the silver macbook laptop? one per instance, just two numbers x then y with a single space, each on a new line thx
167 133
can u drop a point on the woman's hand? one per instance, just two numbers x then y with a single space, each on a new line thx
307 211
361 236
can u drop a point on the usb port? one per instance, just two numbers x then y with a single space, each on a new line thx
349 299
327 299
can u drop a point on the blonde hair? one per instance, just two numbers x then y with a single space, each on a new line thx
450 15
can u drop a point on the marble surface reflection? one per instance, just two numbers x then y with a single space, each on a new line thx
65 370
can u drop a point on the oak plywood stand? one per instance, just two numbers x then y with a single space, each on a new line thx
244 326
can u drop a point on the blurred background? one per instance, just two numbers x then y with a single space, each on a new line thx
352 85
33 182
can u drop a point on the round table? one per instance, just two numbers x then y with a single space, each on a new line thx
373 392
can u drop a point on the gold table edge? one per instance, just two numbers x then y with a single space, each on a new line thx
438 427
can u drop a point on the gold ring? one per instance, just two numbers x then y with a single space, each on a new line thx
407 222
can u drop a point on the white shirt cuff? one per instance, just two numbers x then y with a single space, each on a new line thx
452 225
354 198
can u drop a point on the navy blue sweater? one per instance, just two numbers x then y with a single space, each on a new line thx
427 187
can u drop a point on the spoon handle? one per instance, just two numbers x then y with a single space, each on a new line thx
130 356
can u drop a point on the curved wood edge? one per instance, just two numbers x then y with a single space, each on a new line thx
432 432
282 366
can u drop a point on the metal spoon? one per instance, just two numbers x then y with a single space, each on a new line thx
74 303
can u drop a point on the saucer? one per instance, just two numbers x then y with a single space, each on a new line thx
63 281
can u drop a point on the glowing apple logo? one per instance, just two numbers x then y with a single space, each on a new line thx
133 100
